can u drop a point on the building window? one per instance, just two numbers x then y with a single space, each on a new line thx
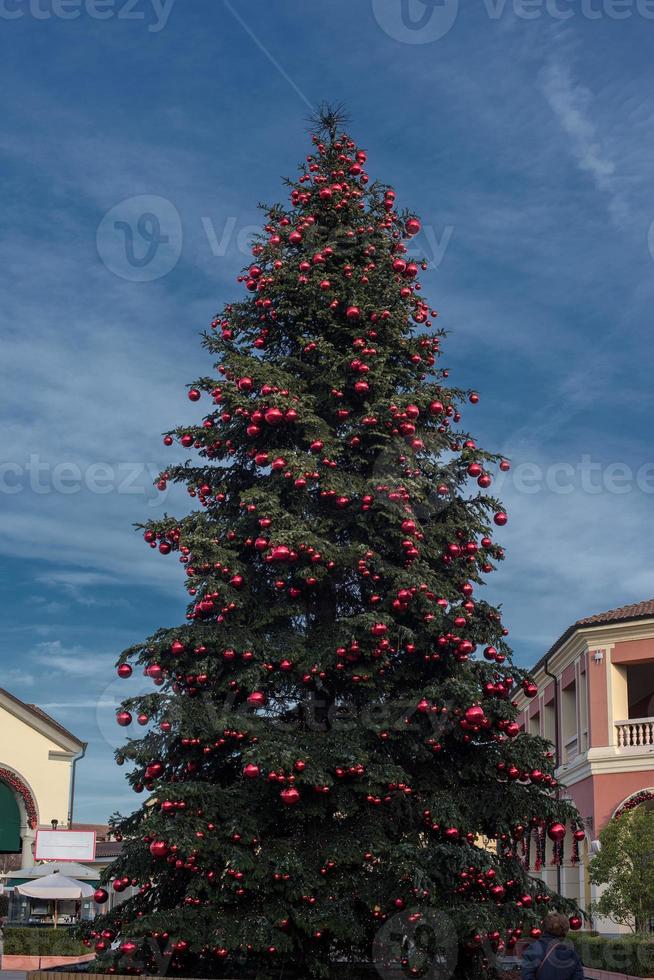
549 722
569 722
640 690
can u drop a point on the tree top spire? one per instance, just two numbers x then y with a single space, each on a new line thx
328 118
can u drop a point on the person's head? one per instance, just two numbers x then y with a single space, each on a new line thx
556 924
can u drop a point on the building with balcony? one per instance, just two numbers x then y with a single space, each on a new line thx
595 703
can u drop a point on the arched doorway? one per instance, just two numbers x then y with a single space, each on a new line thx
17 802
10 821
643 797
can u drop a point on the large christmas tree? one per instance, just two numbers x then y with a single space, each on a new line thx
331 758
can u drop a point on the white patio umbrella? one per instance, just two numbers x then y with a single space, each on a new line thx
71 869
55 887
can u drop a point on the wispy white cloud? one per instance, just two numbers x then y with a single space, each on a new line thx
572 104
14 677
72 661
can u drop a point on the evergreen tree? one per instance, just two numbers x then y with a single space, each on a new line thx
625 864
331 740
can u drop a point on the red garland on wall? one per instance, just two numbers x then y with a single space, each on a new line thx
557 852
19 787
643 797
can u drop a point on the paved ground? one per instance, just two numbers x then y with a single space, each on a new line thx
12 975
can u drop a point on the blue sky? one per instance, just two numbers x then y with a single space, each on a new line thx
522 134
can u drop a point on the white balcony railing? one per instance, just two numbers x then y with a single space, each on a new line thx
636 733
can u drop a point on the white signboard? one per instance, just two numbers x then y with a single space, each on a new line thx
65 845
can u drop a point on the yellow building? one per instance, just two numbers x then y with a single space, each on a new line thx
37 775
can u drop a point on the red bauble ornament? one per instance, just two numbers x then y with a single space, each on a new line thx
575 922
158 848
257 699
353 313
100 895
413 226
556 832
274 416
124 670
194 395
500 518
251 771
290 797
474 715
124 719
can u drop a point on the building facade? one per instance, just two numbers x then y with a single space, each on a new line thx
37 775
595 703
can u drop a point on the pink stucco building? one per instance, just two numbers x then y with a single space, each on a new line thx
595 702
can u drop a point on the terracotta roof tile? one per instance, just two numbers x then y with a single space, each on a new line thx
101 830
108 848
638 610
